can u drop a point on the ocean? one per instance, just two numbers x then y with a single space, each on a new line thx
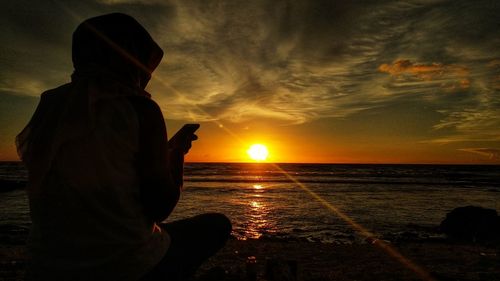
313 202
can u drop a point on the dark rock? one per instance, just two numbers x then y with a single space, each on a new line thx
472 224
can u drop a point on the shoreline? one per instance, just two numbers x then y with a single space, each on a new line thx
256 259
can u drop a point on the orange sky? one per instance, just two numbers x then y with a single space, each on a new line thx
312 144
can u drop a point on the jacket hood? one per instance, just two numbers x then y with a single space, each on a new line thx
118 44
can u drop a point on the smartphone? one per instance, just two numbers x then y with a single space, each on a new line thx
186 130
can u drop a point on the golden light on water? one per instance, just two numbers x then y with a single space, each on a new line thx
258 223
259 213
256 205
257 186
258 152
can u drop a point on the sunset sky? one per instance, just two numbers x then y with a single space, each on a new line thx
315 81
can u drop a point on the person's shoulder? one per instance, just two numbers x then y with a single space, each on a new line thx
146 106
144 103
56 93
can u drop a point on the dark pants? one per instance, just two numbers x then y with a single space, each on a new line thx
193 241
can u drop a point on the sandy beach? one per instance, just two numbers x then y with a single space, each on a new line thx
250 259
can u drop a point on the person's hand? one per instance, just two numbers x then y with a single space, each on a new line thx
182 142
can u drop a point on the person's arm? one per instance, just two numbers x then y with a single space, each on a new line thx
176 165
160 170
178 146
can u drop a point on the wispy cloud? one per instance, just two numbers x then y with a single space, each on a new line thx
294 61
490 153
300 60
494 69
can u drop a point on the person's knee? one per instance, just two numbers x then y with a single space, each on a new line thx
220 224
223 223
227 226
216 225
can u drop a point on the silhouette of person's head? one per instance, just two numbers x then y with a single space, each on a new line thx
118 44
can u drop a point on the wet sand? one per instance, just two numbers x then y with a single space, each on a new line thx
316 261
248 260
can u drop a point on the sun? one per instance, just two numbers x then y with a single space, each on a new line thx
258 152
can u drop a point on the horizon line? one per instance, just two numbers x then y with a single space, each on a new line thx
342 163
323 163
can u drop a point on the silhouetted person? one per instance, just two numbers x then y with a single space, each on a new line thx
102 177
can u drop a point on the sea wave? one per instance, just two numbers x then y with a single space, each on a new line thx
346 181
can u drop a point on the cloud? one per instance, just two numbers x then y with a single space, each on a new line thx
491 153
472 124
301 60
293 61
474 116
494 67
450 76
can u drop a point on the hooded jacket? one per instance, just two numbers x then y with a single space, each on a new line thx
80 149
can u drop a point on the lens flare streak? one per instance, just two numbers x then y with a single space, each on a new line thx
387 248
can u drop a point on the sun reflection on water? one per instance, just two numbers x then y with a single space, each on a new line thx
258 214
